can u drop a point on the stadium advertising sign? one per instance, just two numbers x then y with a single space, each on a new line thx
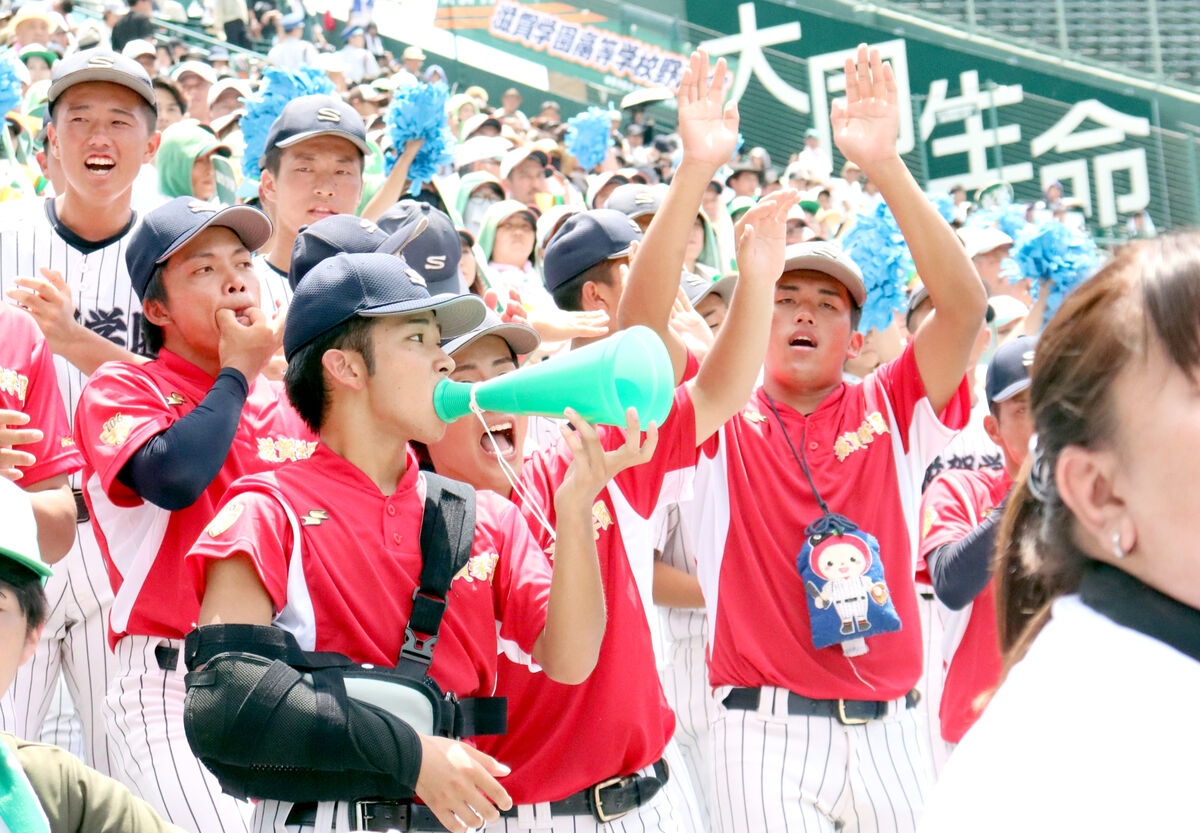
965 120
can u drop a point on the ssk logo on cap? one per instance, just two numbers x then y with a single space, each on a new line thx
1027 358
415 278
100 61
367 225
644 199
434 262
197 207
329 114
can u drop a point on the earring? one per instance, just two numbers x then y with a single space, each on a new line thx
1117 551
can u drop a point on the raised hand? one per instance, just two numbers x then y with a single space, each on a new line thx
762 241
458 783
690 326
866 123
708 125
48 300
592 467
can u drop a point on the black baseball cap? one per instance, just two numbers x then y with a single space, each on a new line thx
168 228
339 234
426 238
100 65
370 285
310 116
1008 371
636 199
520 338
585 239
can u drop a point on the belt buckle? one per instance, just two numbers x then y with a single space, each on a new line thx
598 805
363 815
849 721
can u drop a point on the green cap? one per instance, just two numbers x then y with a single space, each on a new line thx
18 530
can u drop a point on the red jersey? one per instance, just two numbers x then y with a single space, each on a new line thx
121 408
955 503
341 560
561 738
867 446
28 384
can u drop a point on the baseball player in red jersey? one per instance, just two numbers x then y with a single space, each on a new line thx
65 263
814 729
36 447
362 341
163 441
597 755
960 514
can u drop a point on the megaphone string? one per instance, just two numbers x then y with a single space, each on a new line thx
511 475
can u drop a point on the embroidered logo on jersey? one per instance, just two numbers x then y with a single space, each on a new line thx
927 521
873 426
175 398
116 430
284 449
751 415
601 519
14 383
329 114
67 442
225 518
479 568
314 517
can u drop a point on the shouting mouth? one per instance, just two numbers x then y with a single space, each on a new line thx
804 342
499 440
97 164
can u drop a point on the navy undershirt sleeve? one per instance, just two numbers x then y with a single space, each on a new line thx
173 468
961 570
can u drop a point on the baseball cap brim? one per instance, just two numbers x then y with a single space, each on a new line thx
251 226
828 266
519 337
110 74
1012 390
722 286
36 565
456 314
312 134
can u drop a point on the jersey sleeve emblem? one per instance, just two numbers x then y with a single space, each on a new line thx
116 430
225 518
927 521
12 382
479 568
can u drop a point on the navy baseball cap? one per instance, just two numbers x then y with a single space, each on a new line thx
168 228
1008 371
520 338
310 116
339 234
371 285
426 238
585 239
100 65
636 200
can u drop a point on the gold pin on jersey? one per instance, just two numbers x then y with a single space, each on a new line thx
175 398
314 517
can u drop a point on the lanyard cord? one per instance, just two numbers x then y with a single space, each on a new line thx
829 522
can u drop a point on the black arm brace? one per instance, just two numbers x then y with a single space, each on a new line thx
273 721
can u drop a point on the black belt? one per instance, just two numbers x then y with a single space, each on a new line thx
374 815
610 799
847 712
82 515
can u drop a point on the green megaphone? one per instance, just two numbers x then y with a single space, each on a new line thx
630 369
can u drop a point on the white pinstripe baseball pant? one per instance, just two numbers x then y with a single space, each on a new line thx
777 772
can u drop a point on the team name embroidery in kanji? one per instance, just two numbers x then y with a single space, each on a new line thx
14 383
480 568
873 426
601 520
284 449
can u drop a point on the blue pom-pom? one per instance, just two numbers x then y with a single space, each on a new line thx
419 112
10 84
1051 251
589 136
1010 219
737 151
944 204
278 87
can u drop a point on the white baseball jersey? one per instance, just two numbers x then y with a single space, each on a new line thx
274 289
78 594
